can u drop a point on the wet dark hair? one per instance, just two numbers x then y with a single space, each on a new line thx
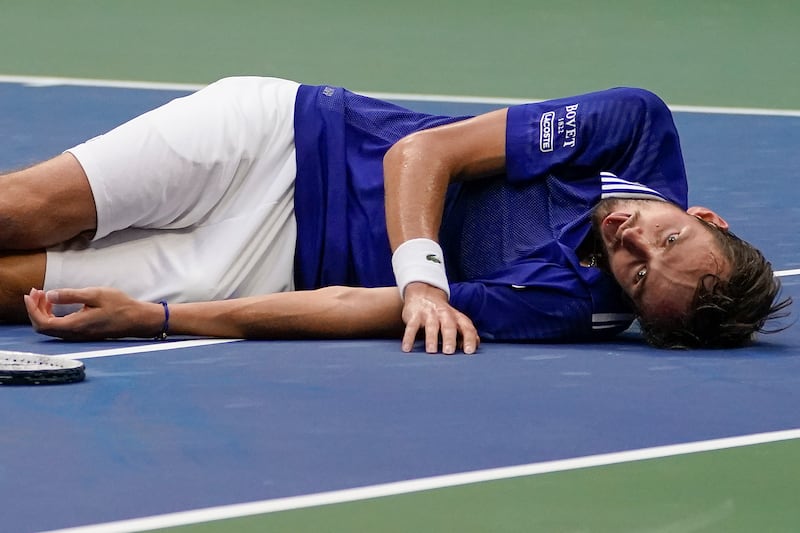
725 313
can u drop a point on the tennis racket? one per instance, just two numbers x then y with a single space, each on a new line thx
22 368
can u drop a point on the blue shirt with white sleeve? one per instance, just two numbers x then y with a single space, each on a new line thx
509 241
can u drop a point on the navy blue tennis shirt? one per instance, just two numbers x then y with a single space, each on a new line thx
509 241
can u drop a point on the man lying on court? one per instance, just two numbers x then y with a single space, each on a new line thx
285 210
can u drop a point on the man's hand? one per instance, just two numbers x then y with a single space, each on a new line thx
426 307
106 313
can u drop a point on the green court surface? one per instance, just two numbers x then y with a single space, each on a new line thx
739 490
731 53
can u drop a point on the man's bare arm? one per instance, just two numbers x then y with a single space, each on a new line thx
417 172
332 312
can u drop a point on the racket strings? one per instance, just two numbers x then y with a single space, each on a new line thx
14 363
20 368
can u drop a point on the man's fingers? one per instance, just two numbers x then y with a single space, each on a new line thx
37 305
449 331
442 332
445 328
469 335
39 313
86 296
410 335
432 334
32 306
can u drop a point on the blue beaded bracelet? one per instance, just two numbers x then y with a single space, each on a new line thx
165 328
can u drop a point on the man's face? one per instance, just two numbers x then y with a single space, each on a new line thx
658 253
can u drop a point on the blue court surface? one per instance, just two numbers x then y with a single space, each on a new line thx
160 428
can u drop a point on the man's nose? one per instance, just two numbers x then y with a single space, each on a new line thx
633 240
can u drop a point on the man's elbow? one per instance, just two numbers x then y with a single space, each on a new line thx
410 148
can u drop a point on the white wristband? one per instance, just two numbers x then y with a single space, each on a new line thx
420 260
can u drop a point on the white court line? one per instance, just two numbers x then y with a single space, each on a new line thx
157 347
46 81
518 101
784 273
423 484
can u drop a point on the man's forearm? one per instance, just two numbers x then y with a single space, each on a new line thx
332 312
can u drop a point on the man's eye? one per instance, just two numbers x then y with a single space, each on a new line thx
641 275
672 238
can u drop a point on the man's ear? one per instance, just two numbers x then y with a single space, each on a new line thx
708 215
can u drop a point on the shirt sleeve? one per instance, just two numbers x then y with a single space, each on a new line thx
506 313
629 132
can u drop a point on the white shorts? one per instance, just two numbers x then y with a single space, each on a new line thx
195 199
